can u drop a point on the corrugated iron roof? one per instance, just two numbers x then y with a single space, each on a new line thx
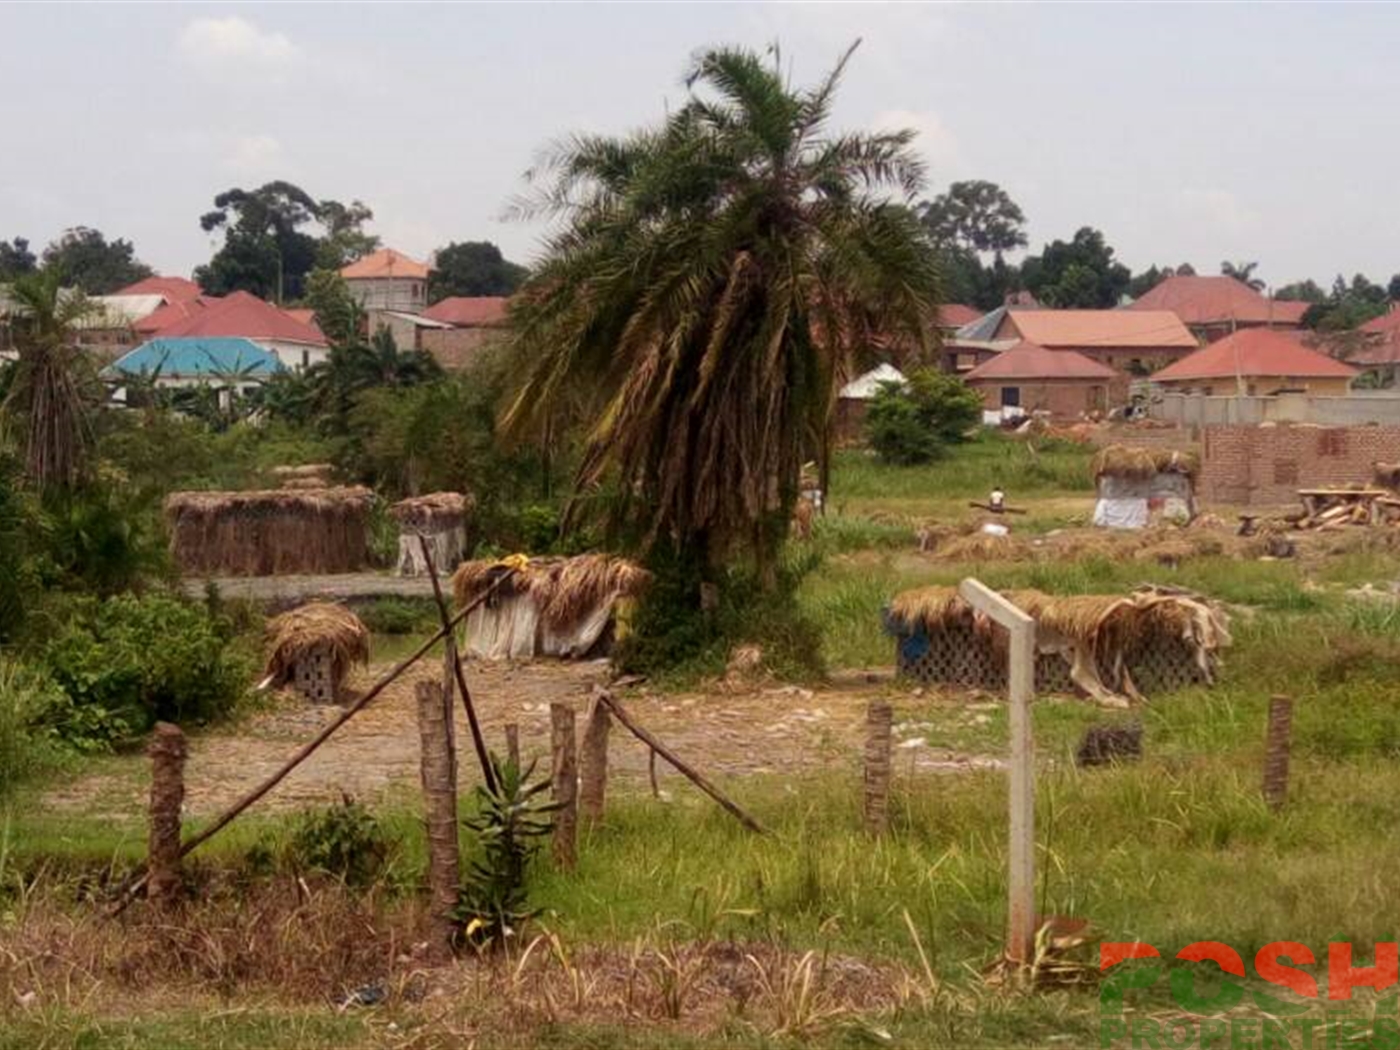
1032 361
470 311
1254 352
197 357
384 263
864 387
245 315
955 315
171 289
1203 300
1088 328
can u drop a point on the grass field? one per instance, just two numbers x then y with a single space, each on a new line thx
1174 849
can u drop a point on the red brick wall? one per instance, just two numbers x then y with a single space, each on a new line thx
454 348
1063 400
1263 466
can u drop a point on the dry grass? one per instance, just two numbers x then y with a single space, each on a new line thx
1124 461
296 634
433 512
565 589
270 532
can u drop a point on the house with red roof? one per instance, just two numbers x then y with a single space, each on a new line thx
1028 378
471 322
171 289
1135 343
952 316
1214 307
1257 362
296 343
388 280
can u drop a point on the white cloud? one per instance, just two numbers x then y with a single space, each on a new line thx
234 40
935 142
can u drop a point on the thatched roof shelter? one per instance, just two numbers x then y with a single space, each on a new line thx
317 629
270 532
547 606
1124 461
433 512
1103 638
1135 485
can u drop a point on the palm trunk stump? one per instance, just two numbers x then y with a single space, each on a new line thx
565 776
440 805
167 753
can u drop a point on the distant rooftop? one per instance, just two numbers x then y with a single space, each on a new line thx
384 263
201 357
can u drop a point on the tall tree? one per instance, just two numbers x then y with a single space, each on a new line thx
16 259
1243 272
705 294
473 268
87 260
47 403
1308 291
267 249
968 221
1081 273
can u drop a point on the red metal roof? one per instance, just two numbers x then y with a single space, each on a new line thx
955 315
1255 352
384 263
1031 361
242 314
469 311
1090 328
174 289
1386 322
1218 300
170 314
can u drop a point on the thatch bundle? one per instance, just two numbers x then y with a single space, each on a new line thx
270 532
1096 634
564 590
304 476
565 607
1123 461
434 512
316 627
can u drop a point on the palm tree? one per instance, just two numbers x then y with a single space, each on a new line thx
705 294
47 402
1243 272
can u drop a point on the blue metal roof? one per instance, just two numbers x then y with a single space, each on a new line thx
212 356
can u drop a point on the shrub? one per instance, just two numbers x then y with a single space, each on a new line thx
26 698
130 661
21 538
344 841
912 423
399 616
671 636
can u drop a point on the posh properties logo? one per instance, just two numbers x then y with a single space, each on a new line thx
1293 1010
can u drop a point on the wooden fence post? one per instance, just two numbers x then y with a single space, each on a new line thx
167 753
439 770
565 776
593 763
1276 749
1020 919
878 719
513 743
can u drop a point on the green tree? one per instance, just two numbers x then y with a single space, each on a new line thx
1244 273
345 239
1392 290
16 259
473 268
1144 282
966 222
705 291
1308 291
265 251
1081 273
1348 305
909 423
88 260
338 313
48 398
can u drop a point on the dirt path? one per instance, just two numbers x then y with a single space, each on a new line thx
766 730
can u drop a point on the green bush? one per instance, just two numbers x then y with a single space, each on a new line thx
27 697
399 616
130 661
344 841
21 541
671 637
912 423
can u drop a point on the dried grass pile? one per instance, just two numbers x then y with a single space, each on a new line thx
1099 636
1140 464
304 476
557 606
316 627
270 532
434 512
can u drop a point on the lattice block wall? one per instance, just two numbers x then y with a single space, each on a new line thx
962 656
314 676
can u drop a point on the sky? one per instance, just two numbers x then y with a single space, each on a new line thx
1185 132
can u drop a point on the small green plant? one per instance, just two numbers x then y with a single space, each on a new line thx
509 824
909 423
398 616
26 697
343 840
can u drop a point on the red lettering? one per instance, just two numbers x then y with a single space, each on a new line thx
1268 967
1111 953
1342 977
1221 954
